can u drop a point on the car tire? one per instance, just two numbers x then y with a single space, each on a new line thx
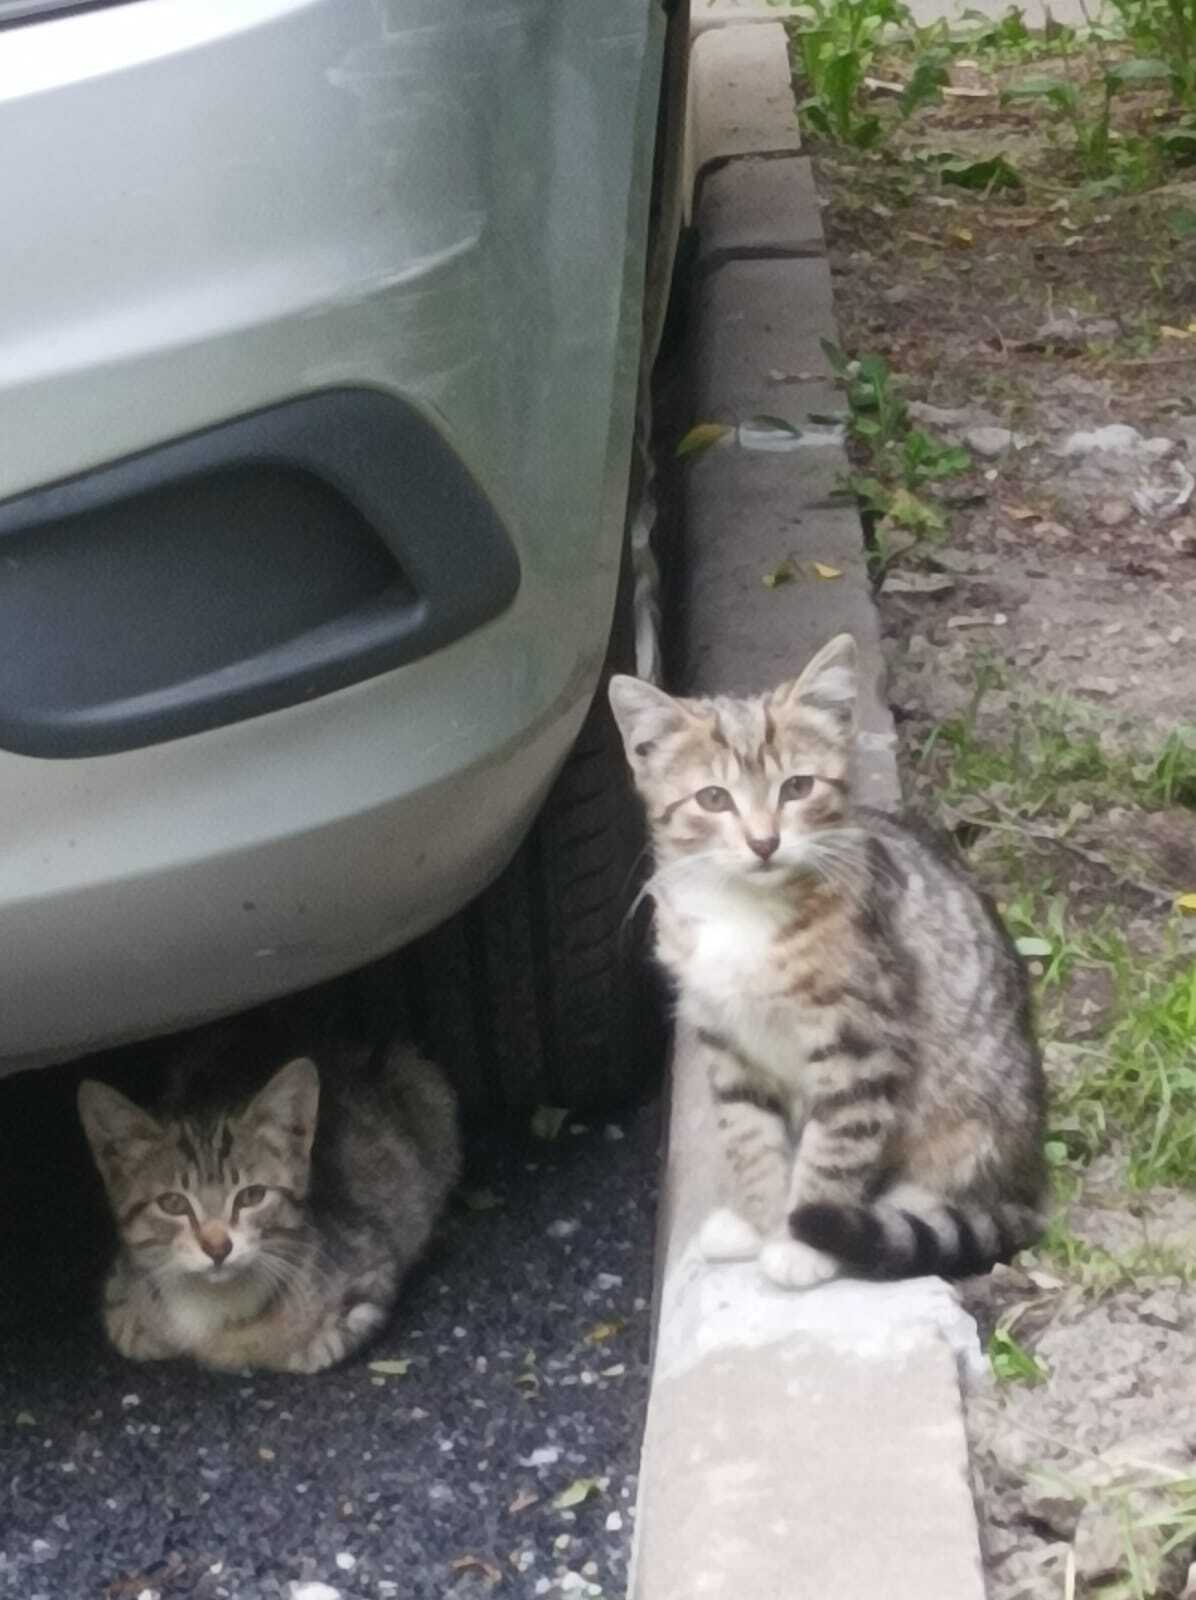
539 992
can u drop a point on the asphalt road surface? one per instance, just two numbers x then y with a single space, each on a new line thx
495 1452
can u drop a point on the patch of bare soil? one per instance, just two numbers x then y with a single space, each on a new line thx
1053 333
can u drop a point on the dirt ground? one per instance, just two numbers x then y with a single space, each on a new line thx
1052 332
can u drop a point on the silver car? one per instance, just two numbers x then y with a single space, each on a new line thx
320 341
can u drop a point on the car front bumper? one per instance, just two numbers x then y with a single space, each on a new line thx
221 206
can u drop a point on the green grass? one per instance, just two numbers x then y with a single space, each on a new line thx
1140 1094
1133 1090
1052 758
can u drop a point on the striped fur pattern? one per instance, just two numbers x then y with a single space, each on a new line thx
270 1231
863 1016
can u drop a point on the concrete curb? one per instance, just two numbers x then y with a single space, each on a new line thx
797 1445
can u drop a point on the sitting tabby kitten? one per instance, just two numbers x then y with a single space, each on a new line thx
863 1015
274 1231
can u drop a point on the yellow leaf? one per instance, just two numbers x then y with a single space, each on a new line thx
823 571
963 236
390 1369
701 436
580 1489
1174 333
604 1331
1187 903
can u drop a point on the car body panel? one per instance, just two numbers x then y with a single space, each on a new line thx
224 204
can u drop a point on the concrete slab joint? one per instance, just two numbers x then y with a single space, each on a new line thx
812 1444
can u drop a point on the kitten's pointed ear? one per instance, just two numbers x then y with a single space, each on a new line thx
830 683
644 714
290 1101
120 1133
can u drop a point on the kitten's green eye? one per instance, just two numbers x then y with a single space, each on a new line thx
714 798
252 1196
174 1205
796 788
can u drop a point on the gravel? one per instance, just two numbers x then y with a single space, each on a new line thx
527 1350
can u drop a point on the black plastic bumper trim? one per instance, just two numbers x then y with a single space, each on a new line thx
127 620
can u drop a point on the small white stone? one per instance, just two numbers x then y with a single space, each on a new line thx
562 1228
988 442
314 1591
131 1400
608 1280
614 1522
345 1561
546 1456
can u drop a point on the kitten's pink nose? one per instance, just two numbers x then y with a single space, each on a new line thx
214 1241
765 847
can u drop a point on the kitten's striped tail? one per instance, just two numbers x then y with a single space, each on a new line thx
915 1236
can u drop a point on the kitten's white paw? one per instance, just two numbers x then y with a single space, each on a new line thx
794 1265
364 1317
727 1237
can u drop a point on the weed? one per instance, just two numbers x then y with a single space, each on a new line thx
1012 1362
836 42
1135 1094
901 461
1142 1089
1170 779
1165 29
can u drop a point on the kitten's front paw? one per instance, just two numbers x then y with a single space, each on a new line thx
793 1265
724 1236
132 1339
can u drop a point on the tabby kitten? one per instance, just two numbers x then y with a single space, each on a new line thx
274 1231
863 1016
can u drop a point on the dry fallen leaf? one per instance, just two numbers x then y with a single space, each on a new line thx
547 1121
265 1452
579 1490
1187 904
1020 513
963 236
480 1564
783 572
525 1498
824 571
701 436
917 583
605 1330
390 1369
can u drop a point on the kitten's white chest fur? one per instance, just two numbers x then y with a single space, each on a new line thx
731 980
736 931
198 1313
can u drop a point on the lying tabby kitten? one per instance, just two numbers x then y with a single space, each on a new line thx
863 1015
261 1234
